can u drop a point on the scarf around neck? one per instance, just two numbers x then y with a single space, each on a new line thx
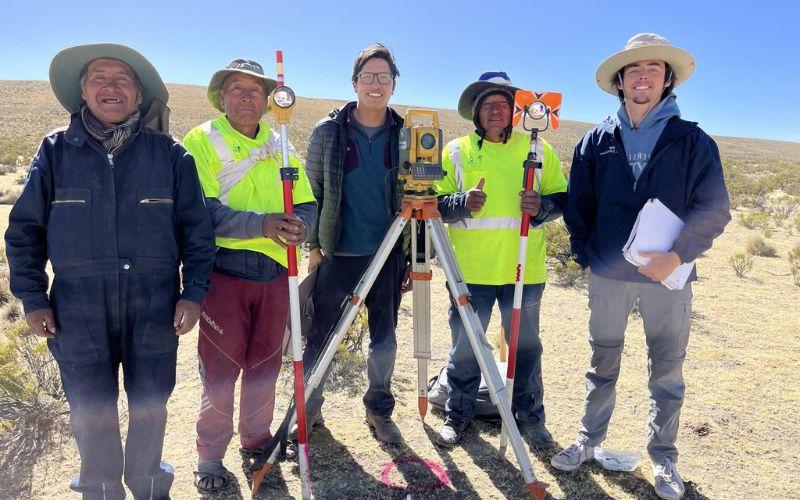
110 137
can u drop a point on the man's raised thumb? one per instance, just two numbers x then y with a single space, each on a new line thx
479 185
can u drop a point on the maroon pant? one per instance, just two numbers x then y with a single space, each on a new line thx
241 330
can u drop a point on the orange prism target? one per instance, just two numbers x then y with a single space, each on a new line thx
525 99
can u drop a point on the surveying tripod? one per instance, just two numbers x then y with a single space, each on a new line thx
419 205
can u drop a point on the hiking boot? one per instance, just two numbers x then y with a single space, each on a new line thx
311 422
537 435
572 458
451 432
669 484
385 429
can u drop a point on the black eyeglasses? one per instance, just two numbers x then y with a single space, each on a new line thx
368 78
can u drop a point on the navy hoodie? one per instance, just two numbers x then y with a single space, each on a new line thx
639 141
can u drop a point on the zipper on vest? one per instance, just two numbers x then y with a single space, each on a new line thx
110 160
66 202
155 201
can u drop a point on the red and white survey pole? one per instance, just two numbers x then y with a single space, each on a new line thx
535 106
532 168
281 101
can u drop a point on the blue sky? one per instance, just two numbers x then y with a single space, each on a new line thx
746 83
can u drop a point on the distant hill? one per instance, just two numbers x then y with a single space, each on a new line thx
28 110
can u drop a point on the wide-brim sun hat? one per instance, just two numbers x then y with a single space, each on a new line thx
642 47
68 65
244 66
492 80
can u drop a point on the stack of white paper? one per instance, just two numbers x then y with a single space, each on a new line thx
655 230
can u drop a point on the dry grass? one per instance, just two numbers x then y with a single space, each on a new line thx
8 196
739 434
757 246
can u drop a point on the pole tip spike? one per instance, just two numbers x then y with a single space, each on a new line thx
422 403
258 476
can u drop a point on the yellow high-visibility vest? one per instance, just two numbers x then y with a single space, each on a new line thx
487 243
243 173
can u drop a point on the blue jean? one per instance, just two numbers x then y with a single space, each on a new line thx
463 371
666 315
105 322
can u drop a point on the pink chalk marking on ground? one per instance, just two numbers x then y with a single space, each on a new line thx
438 470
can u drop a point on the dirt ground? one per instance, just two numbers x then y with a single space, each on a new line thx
738 436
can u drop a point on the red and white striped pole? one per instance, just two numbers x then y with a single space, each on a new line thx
288 176
532 169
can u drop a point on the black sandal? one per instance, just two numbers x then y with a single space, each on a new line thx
215 471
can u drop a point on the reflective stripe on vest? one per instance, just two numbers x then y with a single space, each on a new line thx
232 171
487 223
458 168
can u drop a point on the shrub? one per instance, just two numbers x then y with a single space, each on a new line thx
32 407
567 270
741 263
757 246
8 196
794 264
557 238
10 308
7 169
569 273
754 220
350 363
781 208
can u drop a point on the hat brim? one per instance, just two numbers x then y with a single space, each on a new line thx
215 85
66 67
467 98
682 63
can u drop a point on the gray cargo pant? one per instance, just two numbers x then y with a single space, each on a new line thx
666 315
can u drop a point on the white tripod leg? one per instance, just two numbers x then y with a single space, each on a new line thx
362 288
483 352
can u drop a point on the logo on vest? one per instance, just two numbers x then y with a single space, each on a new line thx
609 151
211 323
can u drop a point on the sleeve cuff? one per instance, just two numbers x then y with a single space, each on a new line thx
194 294
35 304
254 226
681 249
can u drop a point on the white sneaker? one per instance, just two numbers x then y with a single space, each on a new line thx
572 458
669 484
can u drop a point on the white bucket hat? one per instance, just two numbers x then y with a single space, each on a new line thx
645 46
